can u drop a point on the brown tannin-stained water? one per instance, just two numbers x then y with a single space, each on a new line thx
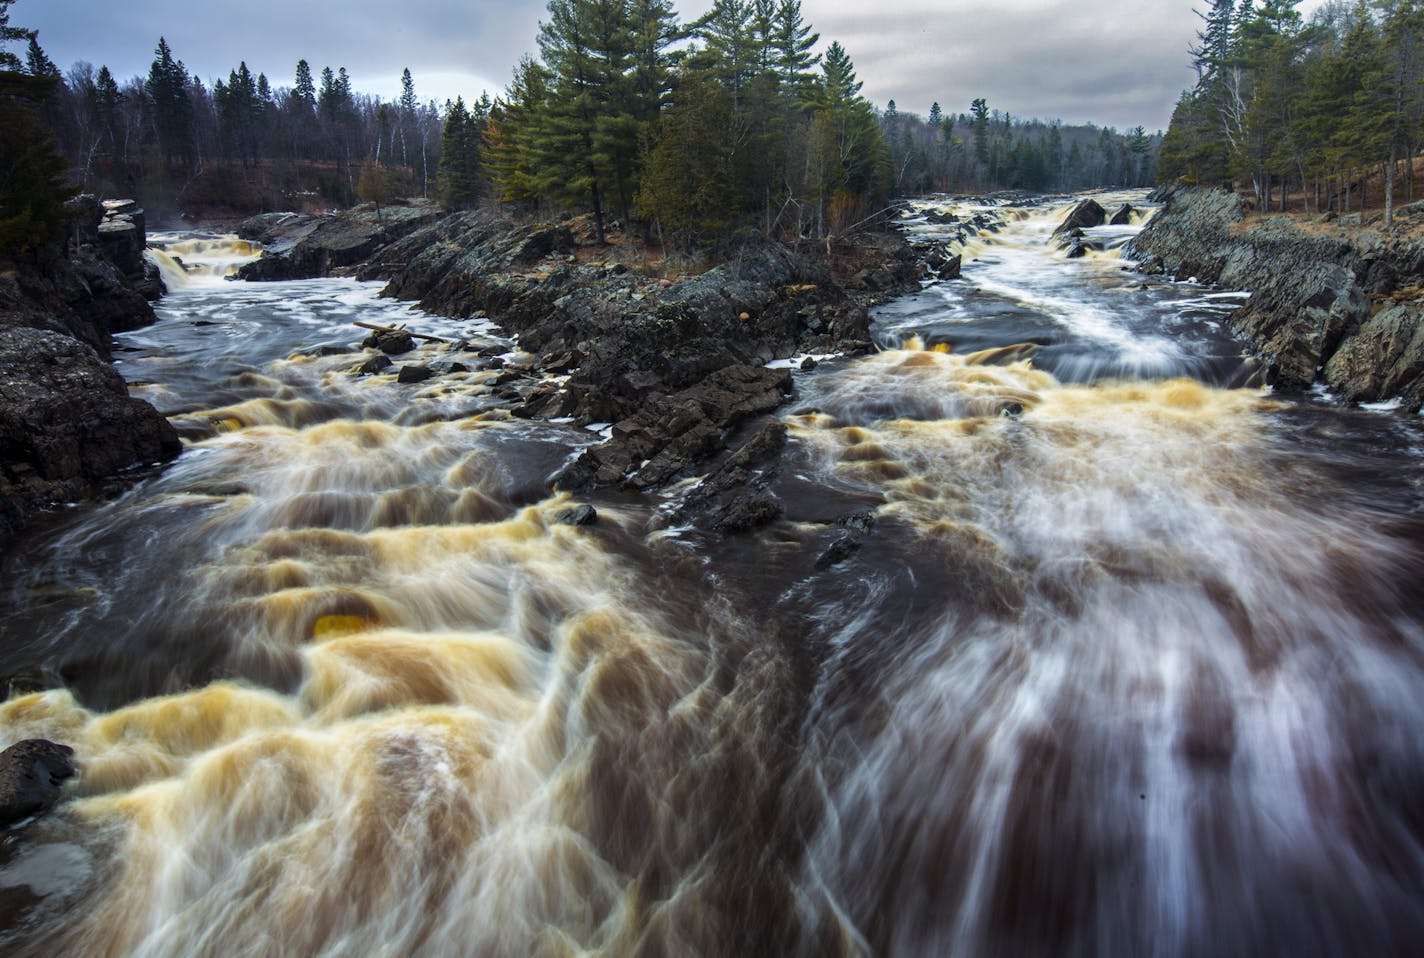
1126 662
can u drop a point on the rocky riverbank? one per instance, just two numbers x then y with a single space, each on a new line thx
1333 300
68 428
675 363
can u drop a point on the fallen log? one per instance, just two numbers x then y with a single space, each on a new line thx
398 329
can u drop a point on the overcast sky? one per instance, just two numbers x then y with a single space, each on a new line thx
1112 62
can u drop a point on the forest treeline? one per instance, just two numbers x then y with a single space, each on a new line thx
1310 110
691 130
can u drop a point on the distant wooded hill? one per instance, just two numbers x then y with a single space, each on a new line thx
689 130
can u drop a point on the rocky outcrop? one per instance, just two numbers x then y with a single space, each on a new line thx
32 777
1383 358
668 434
307 247
1087 214
67 424
1314 288
676 366
68 428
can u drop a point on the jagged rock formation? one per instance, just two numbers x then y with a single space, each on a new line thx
1325 305
677 367
67 424
305 247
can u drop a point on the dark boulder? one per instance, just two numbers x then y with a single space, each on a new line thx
67 423
268 268
841 548
1083 216
942 263
669 436
32 777
860 523
1123 216
123 241
275 229
376 364
747 512
334 244
1077 251
414 374
392 344
583 515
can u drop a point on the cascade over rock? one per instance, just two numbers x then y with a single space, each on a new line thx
1088 213
674 363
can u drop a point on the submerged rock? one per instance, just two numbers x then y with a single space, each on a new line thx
842 548
748 512
583 515
32 777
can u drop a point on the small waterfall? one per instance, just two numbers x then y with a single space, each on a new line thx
184 260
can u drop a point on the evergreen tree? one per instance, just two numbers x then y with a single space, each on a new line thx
691 185
304 90
513 155
33 187
979 109
8 34
37 64
107 100
589 137
167 89
408 111
859 143
460 182
793 40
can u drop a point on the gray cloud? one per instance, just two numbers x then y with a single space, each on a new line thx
1113 62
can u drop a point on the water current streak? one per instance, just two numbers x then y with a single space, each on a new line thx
1111 660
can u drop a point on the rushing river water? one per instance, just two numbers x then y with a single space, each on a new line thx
1130 661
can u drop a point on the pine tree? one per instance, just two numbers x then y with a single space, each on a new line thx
689 188
167 88
33 187
9 34
512 154
588 139
304 90
793 41
459 178
979 109
37 64
860 145
408 107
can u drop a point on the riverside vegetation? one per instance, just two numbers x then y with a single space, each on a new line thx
1024 629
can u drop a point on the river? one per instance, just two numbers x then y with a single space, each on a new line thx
1125 657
